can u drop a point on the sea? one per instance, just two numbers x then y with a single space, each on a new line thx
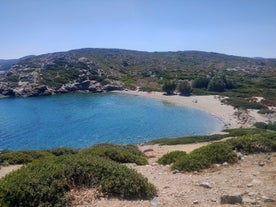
82 120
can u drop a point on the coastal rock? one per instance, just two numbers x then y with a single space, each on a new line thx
231 199
32 90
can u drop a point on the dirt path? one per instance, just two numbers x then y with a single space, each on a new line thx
8 169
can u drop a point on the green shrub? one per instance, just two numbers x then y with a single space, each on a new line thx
63 151
204 157
171 157
169 87
200 82
266 111
188 140
121 154
185 88
272 126
241 132
264 142
22 156
260 125
46 183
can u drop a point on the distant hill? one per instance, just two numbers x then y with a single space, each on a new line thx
94 69
7 64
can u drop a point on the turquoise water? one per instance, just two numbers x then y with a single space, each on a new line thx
81 120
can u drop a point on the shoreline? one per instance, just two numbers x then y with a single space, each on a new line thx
211 104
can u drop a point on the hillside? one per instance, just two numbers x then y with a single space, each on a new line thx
98 70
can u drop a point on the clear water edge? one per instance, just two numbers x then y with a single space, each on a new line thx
81 120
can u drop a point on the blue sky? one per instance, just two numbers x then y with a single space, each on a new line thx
237 27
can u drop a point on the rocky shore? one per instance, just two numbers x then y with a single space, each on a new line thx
27 89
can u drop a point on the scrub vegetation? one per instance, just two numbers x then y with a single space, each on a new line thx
47 179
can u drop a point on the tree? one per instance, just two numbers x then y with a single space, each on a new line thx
185 88
200 82
216 84
169 87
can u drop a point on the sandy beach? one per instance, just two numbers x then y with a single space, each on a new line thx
232 118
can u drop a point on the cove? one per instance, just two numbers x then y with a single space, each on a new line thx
81 120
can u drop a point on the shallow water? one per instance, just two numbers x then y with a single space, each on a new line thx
81 120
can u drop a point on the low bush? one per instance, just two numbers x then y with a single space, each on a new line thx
242 132
63 151
171 157
118 153
269 126
204 157
264 142
46 183
23 156
188 140
266 111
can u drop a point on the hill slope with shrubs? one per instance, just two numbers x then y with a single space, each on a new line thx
97 70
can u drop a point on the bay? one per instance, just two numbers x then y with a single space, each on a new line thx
81 120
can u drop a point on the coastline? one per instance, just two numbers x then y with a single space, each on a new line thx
231 117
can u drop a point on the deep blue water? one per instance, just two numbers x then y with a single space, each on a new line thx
81 120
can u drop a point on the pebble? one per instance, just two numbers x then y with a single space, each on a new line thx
225 164
195 202
249 185
249 200
267 199
252 194
175 171
261 164
206 185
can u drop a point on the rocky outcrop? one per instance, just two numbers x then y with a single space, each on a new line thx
26 89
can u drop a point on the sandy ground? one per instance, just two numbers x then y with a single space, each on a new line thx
8 169
232 118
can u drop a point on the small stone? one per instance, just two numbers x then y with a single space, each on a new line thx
154 164
268 200
252 194
175 171
213 200
249 185
206 185
216 165
225 164
261 164
239 155
249 200
267 157
195 202
231 199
